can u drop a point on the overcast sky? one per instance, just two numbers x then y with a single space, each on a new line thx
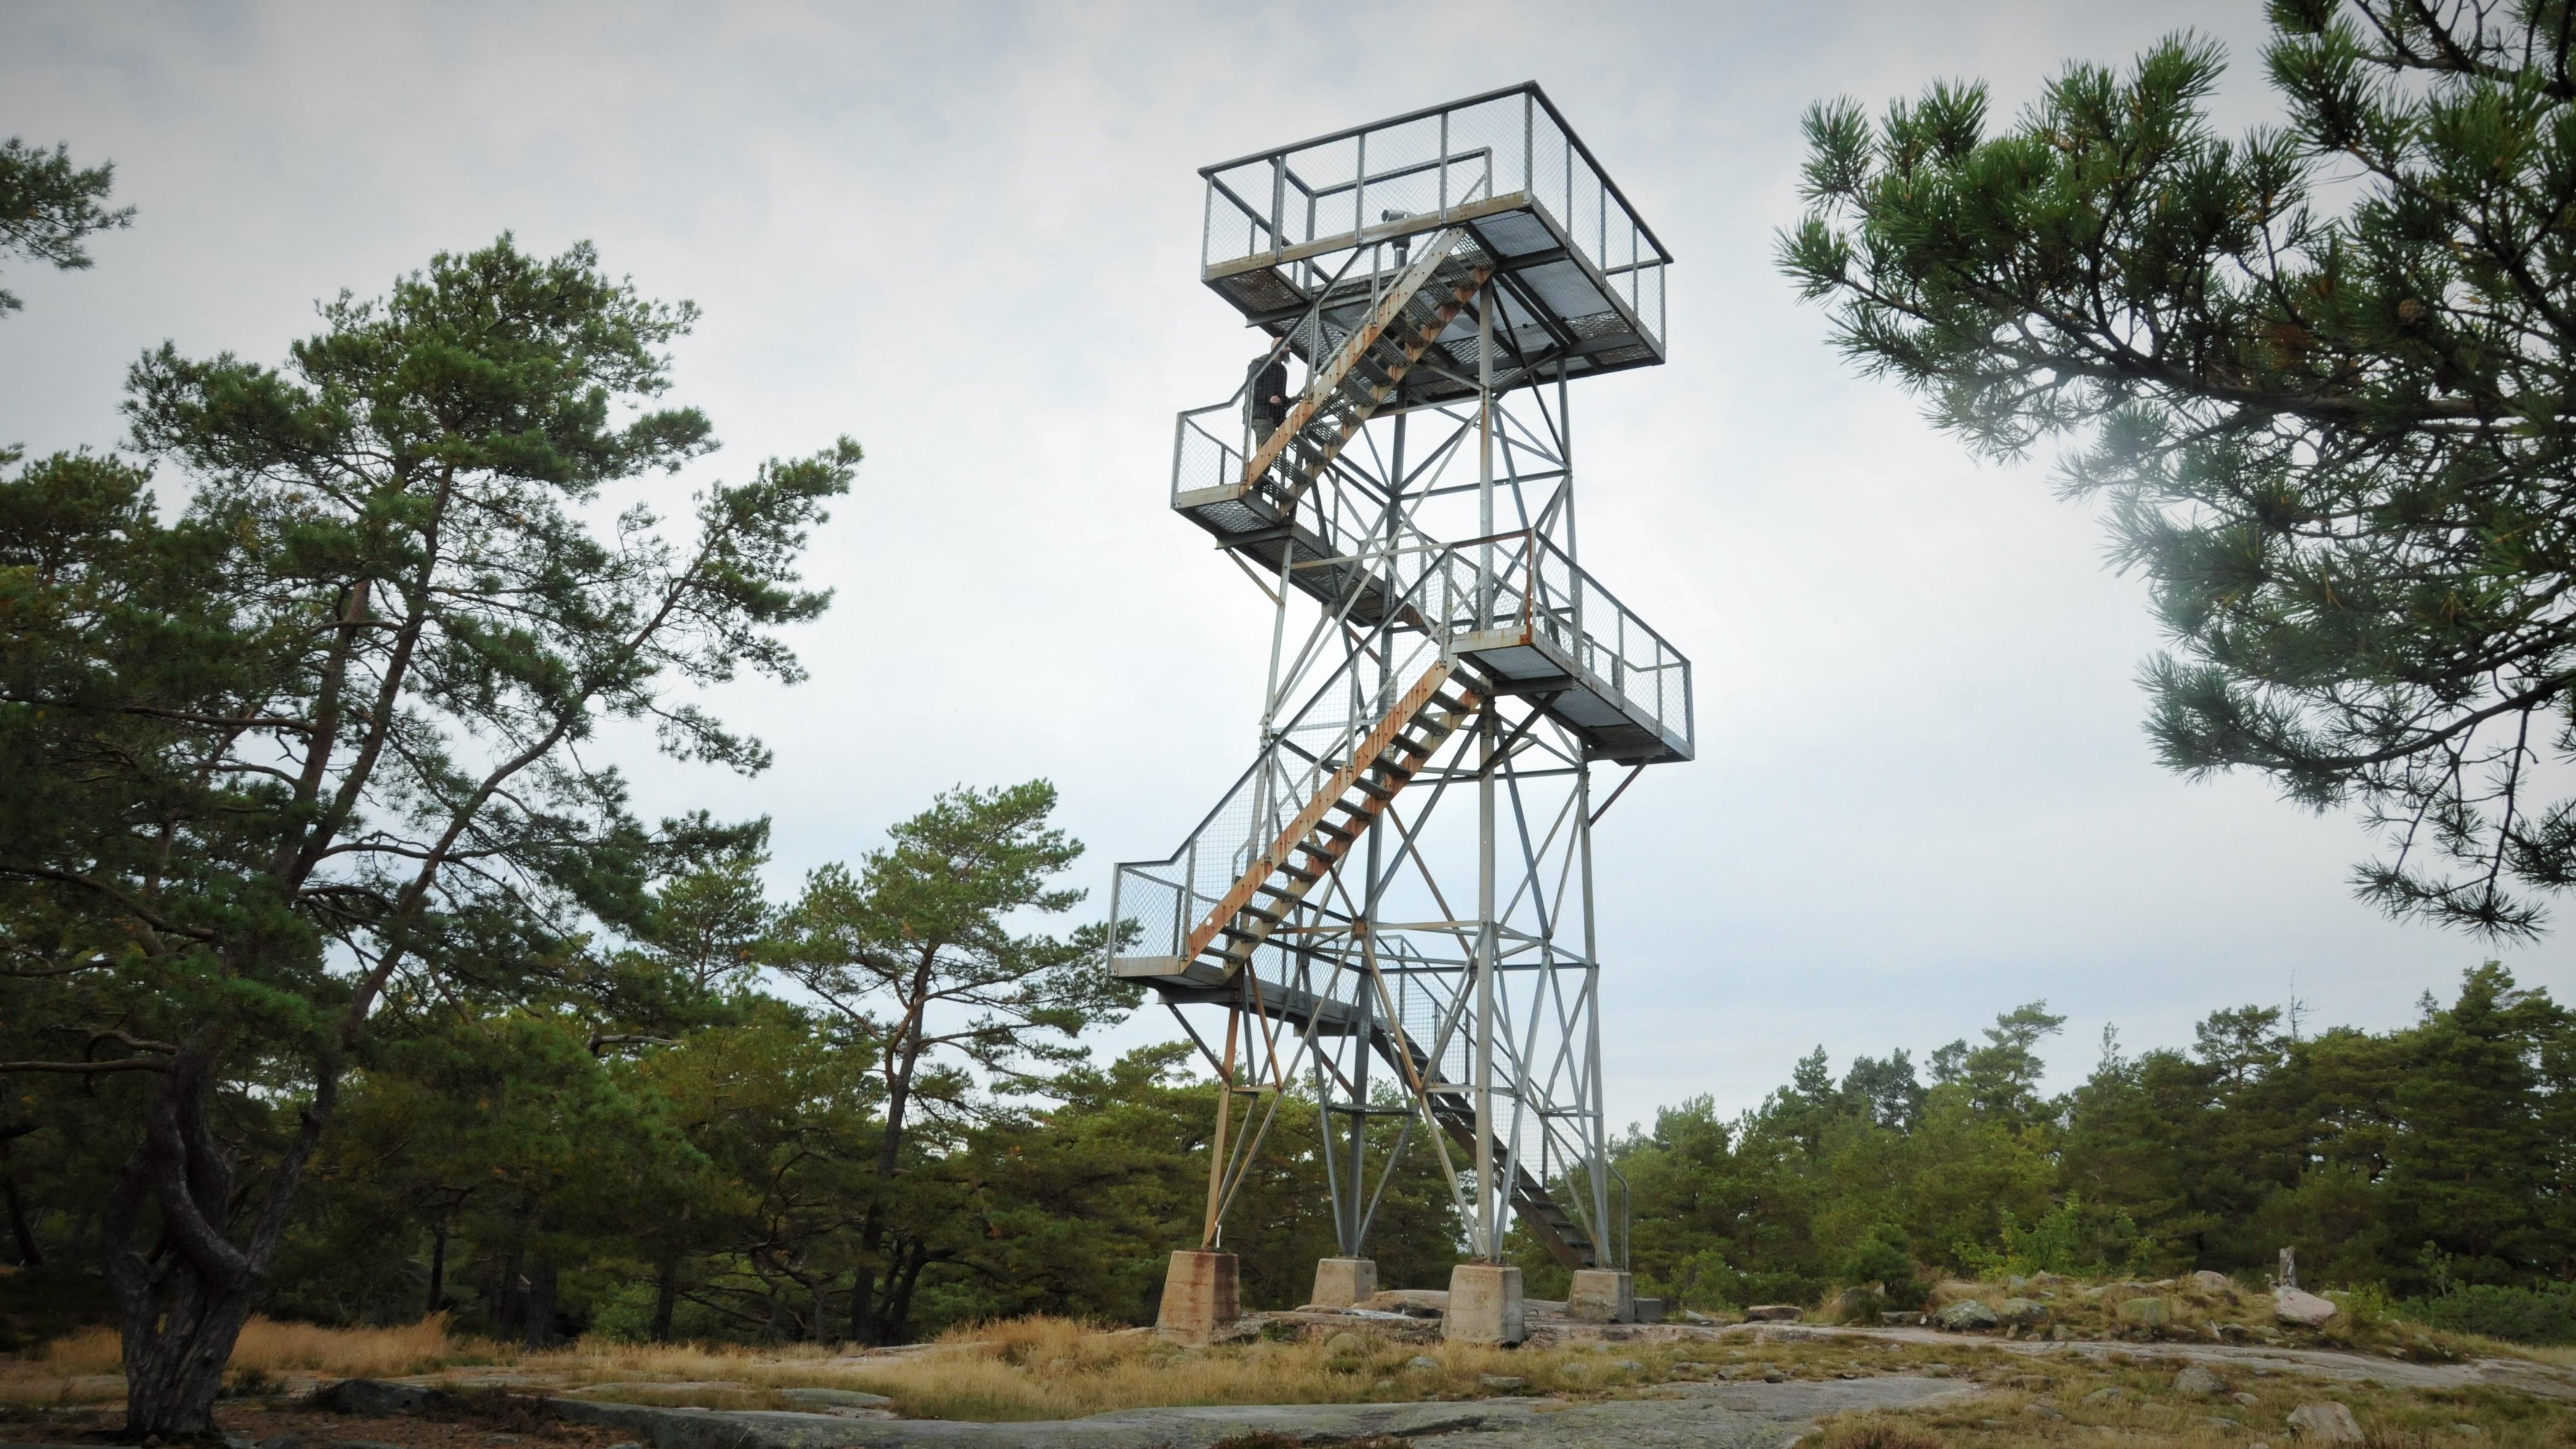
968 236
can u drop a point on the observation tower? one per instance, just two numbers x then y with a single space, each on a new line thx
1394 904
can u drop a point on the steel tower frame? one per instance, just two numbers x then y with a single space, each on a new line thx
1404 876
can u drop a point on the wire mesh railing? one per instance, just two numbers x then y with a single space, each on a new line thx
1472 586
1525 579
1319 195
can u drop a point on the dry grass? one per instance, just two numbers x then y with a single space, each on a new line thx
1053 1368
270 1347
1031 1368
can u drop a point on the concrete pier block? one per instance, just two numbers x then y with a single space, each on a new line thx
1344 1282
1484 1305
1202 1293
1602 1295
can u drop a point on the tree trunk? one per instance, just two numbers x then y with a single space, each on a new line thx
510 1304
183 1291
29 1255
869 1321
437 1265
867 1324
864 1306
666 1295
541 1303
898 1318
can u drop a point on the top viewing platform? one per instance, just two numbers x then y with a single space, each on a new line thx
1287 229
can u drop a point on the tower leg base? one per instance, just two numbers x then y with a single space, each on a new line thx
1485 1305
1602 1295
1201 1294
1344 1282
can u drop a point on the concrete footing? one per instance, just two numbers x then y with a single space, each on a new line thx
1484 1305
1602 1295
1344 1282
1202 1293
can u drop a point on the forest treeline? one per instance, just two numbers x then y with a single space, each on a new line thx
860 1115
688 1144
2421 1161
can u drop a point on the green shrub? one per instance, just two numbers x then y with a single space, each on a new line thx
1884 1258
2073 1238
2524 1315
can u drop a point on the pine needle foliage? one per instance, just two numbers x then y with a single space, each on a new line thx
2319 377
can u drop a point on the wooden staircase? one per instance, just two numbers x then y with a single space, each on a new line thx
1368 369
1314 842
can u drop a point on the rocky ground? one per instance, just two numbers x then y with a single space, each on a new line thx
398 1416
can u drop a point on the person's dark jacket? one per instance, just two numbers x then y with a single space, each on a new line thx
1269 388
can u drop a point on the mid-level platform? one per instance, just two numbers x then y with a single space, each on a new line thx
1513 607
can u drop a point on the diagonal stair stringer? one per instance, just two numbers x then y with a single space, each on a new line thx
1326 384
1382 764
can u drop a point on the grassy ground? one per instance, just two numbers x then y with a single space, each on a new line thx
1035 1368
1046 1368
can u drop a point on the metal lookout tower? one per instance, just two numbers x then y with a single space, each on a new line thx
1394 905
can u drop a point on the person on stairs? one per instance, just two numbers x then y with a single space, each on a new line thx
1268 396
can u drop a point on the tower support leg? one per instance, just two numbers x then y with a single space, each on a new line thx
1202 1293
1485 1304
1344 1282
1602 1295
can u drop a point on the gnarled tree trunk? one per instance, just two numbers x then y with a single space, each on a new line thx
181 1301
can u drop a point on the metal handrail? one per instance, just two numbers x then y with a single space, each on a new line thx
1537 94
1570 185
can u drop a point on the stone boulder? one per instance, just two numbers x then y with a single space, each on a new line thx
2326 1423
2300 1308
2148 1313
1966 1316
372 1399
1774 1313
2022 1312
2199 1381
845 1403
2209 1282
